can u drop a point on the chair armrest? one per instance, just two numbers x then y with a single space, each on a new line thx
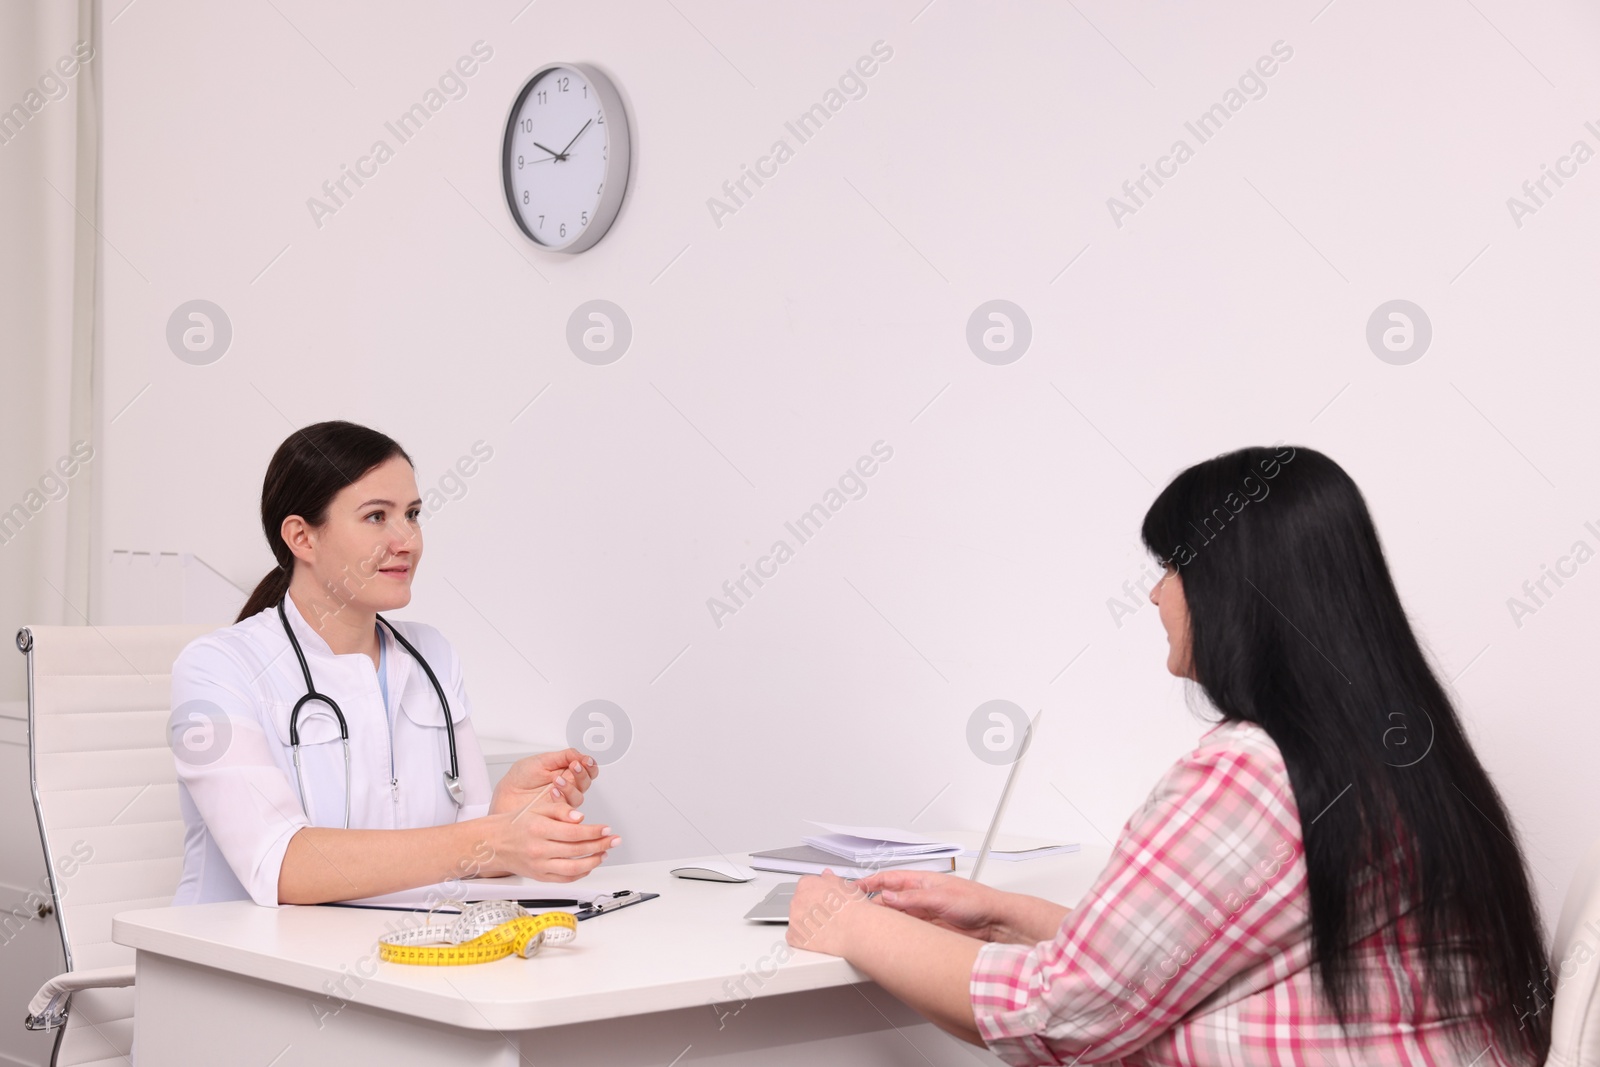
48 1008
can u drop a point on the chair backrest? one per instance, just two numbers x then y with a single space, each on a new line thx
1575 1023
105 790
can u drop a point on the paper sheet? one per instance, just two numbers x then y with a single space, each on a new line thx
474 889
880 833
1008 846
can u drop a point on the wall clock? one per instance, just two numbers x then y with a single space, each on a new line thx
564 160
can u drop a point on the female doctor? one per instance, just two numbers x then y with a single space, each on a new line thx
315 758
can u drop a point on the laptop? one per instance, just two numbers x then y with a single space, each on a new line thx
774 907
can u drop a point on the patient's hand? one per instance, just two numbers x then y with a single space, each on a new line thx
559 776
820 913
944 900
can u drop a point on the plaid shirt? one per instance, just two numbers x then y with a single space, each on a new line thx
1193 945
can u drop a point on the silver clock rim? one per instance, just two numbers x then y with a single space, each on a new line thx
618 161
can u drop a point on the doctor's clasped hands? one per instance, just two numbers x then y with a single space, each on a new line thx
533 826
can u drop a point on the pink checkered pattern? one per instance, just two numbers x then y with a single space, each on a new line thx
1193 945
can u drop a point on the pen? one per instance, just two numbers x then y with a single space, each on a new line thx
870 895
605 902
611 902
539 903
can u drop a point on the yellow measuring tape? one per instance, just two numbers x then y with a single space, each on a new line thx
485 931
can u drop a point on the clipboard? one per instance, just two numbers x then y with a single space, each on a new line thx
588 909
581 909
609 902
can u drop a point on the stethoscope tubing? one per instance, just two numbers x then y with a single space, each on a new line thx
452 780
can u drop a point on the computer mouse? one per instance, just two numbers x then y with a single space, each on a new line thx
715 871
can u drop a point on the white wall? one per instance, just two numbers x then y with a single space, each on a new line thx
825 316
46 246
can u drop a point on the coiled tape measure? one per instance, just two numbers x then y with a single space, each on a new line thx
494 929
485 931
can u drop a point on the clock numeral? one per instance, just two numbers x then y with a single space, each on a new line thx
524 196
519 162
563 229
562 82
585 216
541 222
527 125
599 187
586 92
601 119
539 96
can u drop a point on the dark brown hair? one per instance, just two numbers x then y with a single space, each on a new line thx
306 473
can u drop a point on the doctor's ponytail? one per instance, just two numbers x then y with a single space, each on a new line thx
268 592
306 472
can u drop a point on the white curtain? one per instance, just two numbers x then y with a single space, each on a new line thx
49 263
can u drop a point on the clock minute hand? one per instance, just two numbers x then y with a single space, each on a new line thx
574 138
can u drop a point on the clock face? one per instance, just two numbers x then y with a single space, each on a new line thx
565 157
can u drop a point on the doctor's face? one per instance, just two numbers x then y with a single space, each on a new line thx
366 551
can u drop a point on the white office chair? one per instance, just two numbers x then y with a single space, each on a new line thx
106 795
1575 1022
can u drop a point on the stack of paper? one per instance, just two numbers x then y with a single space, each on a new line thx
804 859
878 846
857 851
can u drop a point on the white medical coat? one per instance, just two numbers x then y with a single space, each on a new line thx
232 694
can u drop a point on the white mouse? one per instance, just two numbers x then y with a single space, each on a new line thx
715 871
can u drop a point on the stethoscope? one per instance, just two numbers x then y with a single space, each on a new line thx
452 778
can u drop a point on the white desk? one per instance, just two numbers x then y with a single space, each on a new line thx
649 984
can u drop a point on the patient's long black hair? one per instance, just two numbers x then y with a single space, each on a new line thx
1295 625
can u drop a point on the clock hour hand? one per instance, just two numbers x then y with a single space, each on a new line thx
554 154
574 138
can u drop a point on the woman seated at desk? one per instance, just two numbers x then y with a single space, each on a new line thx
319 755
1332 853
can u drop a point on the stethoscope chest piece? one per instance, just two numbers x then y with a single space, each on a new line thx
452 778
